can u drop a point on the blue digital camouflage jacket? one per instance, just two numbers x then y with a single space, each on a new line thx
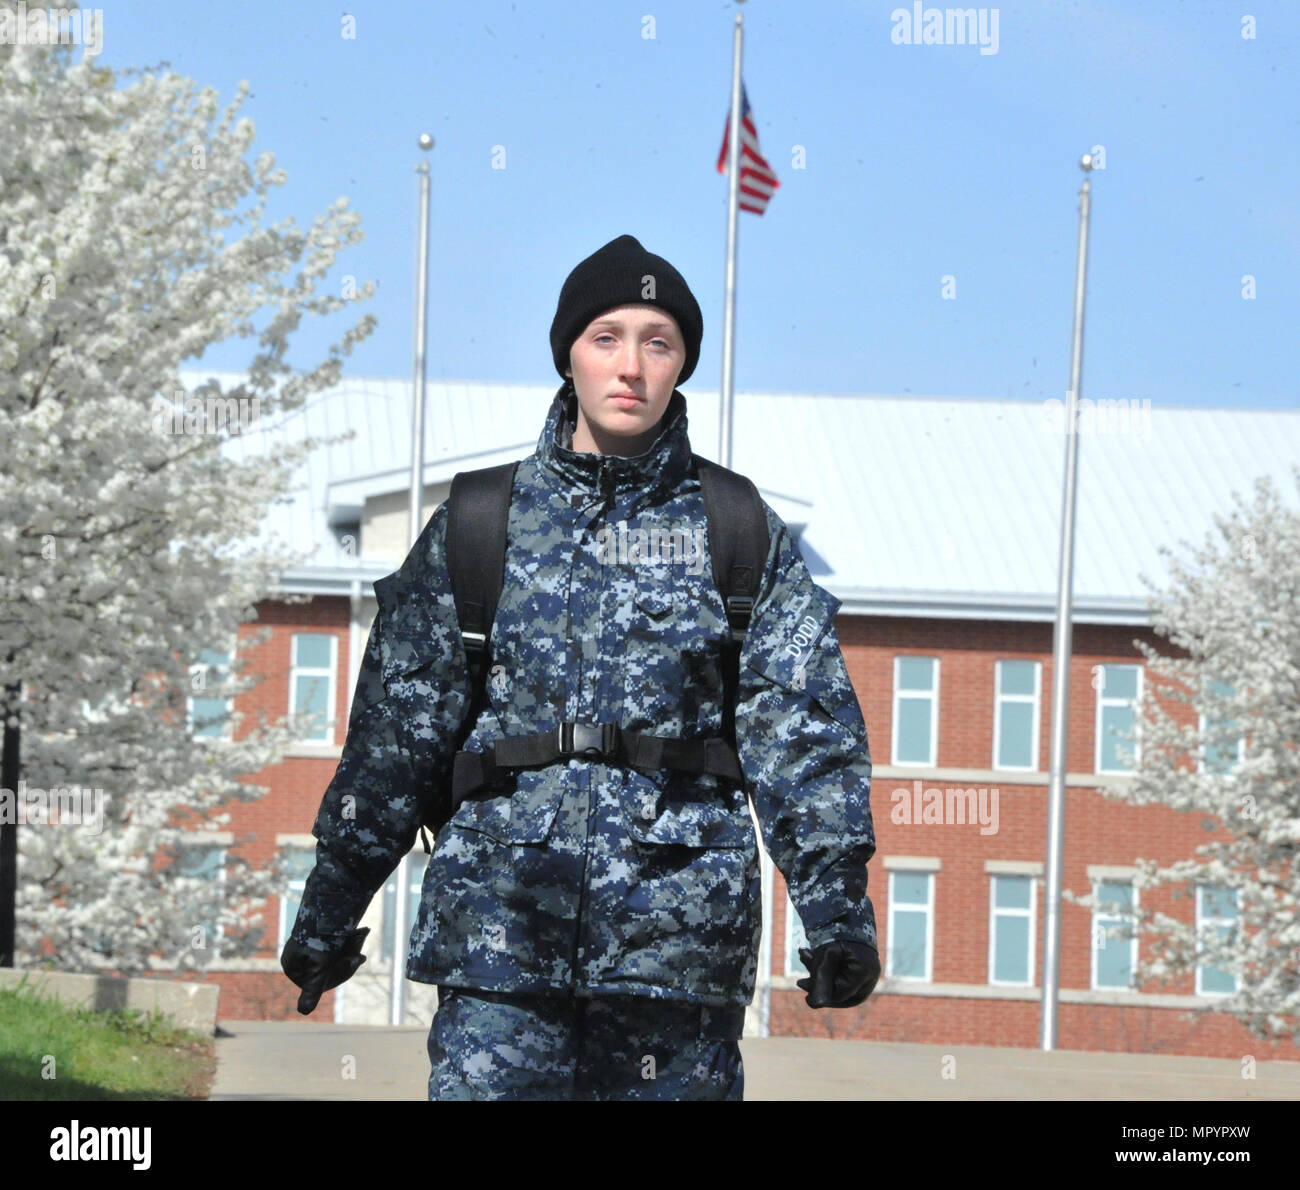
585 876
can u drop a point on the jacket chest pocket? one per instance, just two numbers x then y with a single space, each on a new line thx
656 604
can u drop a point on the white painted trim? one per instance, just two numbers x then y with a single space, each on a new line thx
269 964
979 991
228 727
302 843
912 907
1097 872
999 777
1110 916
215 838
934 712
1121 610
999 698
1014 867
794 969
222 839
1201 921
913 863
1200 747
1102 701
302 751
996 911
331 680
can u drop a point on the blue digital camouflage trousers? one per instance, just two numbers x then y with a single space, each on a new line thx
498 1045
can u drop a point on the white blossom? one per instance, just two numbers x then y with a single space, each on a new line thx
126 552
1233 616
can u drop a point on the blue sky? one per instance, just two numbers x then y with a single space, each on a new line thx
922 161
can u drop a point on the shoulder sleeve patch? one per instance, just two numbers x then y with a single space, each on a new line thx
789 635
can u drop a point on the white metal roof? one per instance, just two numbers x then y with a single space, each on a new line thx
909 505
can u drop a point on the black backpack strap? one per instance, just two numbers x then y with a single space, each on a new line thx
478 510
738 545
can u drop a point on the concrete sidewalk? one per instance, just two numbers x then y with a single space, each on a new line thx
288 1060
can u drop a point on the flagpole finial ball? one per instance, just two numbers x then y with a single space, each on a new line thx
426 141
1085 162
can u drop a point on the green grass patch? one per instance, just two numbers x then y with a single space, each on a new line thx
52 1051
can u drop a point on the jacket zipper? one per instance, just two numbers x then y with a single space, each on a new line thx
607 491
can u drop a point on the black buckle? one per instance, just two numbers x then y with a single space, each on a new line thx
599 741
739 608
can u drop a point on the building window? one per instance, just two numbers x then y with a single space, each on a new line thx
415 869
916 710
1117 695
298 863
208 717
911 925
794 939
1215 757
311 683
1015 714
202 860
1011 930
1114 940
1216 909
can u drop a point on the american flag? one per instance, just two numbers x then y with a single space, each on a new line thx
757 181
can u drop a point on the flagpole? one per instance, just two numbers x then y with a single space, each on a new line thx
397 984
724 440
733 213
1062 645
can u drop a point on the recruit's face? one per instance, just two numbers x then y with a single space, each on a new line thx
636 349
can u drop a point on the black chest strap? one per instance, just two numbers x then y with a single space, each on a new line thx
592 741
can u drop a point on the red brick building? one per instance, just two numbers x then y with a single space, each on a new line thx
944 559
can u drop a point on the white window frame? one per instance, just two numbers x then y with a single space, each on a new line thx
1094 937
227 728
999 698
996 911
1203 920
912 907
794 967
915 694
1200 750
331 676
1114 700
222 842
415 890
285 924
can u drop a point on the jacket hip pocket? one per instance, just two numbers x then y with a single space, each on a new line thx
684 809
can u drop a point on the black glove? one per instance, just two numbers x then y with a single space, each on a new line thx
842 973
316 971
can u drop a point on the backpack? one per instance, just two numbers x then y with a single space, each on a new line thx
477 514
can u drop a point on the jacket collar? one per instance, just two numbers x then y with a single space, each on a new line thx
665 463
